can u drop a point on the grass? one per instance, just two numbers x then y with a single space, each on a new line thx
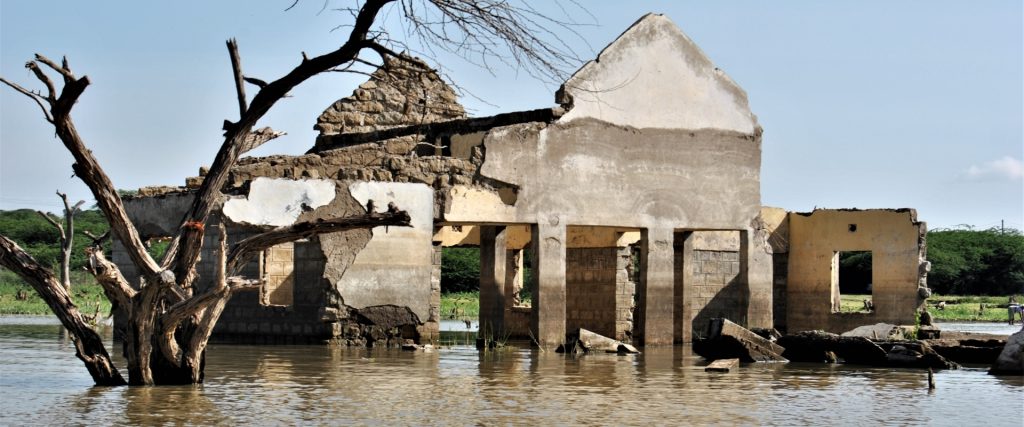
460 305
959 308
85 293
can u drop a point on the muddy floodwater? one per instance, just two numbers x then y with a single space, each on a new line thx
42 383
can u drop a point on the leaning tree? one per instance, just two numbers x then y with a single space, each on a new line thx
169 321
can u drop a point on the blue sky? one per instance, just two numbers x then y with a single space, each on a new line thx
865 104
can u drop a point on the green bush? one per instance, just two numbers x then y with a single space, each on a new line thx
460 270
970 262
42 240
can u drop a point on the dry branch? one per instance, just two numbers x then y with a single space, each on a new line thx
88 344
244 250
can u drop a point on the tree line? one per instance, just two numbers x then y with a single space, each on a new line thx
964 261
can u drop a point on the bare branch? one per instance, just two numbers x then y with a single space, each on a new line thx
52 221
97 240
35 97
50 89
63 70
86 166
115 286
88 344
259 137
183 252
236 68
245 249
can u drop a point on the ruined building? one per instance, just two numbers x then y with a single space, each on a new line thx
637 201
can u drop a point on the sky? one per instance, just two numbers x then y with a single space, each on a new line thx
866 104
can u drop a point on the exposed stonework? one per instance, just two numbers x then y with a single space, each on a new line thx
404 91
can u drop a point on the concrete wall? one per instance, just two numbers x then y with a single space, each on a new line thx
384 275
394 268
896 240
655 138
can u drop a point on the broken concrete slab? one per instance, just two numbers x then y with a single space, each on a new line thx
968 351
820 346
1011 359
727 340
915 354
591 341
878 331
585 341
722 365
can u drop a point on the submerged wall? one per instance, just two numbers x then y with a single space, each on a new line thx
896 241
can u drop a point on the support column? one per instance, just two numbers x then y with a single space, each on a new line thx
547 320
756 269
513 278
656 286
492 281
684 287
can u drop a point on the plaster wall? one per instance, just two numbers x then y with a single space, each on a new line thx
394 268
654 76
894 237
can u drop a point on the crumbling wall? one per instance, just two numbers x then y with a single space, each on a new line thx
896 240
404 91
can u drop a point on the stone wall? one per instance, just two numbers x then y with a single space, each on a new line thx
405 91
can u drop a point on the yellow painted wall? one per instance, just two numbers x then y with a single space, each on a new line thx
892 237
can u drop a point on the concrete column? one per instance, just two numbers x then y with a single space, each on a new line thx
684 288
492 281
547 320
756 268
513 278
656 286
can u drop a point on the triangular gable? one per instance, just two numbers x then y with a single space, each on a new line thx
654 76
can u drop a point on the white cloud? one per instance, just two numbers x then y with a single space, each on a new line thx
1006 167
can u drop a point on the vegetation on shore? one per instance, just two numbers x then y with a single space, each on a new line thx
956 308
987 264
17 297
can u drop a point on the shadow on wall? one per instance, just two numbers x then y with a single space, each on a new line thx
729 303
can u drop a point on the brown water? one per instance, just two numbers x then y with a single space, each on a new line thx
41 383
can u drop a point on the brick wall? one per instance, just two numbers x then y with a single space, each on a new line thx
599 292
287 311
717 290
279 273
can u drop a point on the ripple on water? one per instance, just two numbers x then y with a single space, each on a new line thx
43 383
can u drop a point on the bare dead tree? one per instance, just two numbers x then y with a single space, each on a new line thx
169 322
67 234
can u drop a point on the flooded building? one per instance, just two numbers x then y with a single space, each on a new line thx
635 202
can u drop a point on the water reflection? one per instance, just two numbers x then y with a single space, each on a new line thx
43 383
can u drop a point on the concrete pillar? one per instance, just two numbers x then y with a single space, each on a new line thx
684 287
756 268
547 320
656 286
492 281
513 278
